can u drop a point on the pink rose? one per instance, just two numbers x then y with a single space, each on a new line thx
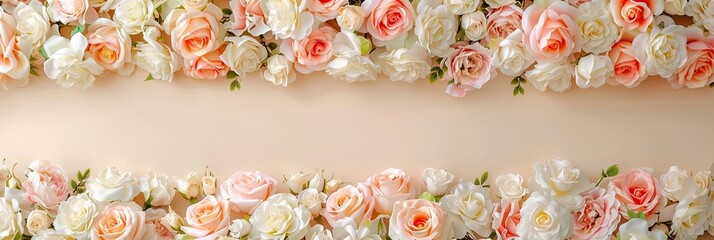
110 46
119 220
69 11
551 34
352 202
506 217
245 190
388 19
15 64
312 53
635 14
418 219
698 70
195 32
154 229
639 191
324 10
46 185
209 66
628 71
600 216
207 219
247 15
502 21
388 187
469 67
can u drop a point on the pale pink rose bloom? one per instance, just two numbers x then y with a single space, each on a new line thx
154 229
119 220
352 202
506 217
388 19
418 219
71 11
628 71
325 10
15 64
698 71
502 21
470 68
110 46
600 216
639 191
247 16
207 219
208 67
245 190
551 34
47 185
388 187
195 32
312 53
635 14
16 2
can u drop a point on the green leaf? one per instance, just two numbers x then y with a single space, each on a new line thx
661 25
33 71
522 80
73 183
43 53
235 85
227 11
86 173
451 82
232 75
428 196
440 73
79 176
711 85
149 78
514 81
603 173
521 90
78 29
434 69
630 213
515 91
272 46
477 182
484 177
612 171
432 77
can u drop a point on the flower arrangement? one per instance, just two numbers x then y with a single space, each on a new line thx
559 202
465 43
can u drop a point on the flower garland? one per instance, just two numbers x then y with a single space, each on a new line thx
559 203
462 42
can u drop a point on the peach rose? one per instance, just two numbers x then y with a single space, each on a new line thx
551 34
207 219
639 191
154 229
628 71
195 32
209 66
635 14
47 185
418 219
110 46
324 10
119 220
15 63
470 68
502 21
600 216
506 217
352 202
698 71
247 16
312 53
388 187
245 190
388 19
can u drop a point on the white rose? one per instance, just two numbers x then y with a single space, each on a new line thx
75 216
677 184
279 70
49 234
280 217
4 176
638 229
69 11
598 29
317 182
404 64
34 23
542 217
346 228
703 181
244 54
691 217
511 56
351 63
438 181
155 57
350 18
564 182
473 205
37 221
195 4
172 221
474 25
313 200
332 185
556 76
662 51
298 181
318 232
66 62
10 219
435 28
674 7
208 185
593 71
112 185
158 188
188 186
134 15
288 18
702 13
499 3
239 228
711 217
510 186
460 7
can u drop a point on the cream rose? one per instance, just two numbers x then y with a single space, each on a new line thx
279 71
404 64
244 54
188 186
438 181
563 181
702 13
47 185
38 220
113 185
346 228
70 11
419 219
134 15
638 229
240 228
49 234
351 62
313 200
698 70
350 18
119 220
155 57
511 56
245 190
435 28
675 7
158 189
635 15
599 31
388 20
355 202
195 32
312 53
297 182
462 7
208 67
551 33
75 216
662 51
629 72
172 221
10 219
542 217
556 76
388 187
207 219
194 4
34 23
110 46
691 216
593 71
599 217
288 18
280 217
317 182
473 205
502 21
318 232
474 25
15 64
510 187
208 185
332 185
677 184
324 10
499 3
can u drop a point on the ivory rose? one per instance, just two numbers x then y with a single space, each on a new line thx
639 191
556 76
173 221
324 10
598 30
638 229
110 46
195 4
154 228
388 19
702 13
418 219
312 199
38 220
502 21
207 219
542 217
113 185
155 57
469 66
474 25
188 186
11 222
435 28
662 51
461 7
388 187
312 53
677 184
195 32
34 23
629 72
15 63
288 18
438 181
347 228
510 187
280 217
209 66
355 202
49 234
75 216
674 7
208 185
698 70
473 206
240 228
245 190
404 64
506 217
691 216
279 71
635 14
47 185
351 61
350 18
551 33
599 217
119 220
247 16
511 56
157 187
593 71
244 54
71 11
134 15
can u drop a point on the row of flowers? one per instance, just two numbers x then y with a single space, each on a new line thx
464 43
559 202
